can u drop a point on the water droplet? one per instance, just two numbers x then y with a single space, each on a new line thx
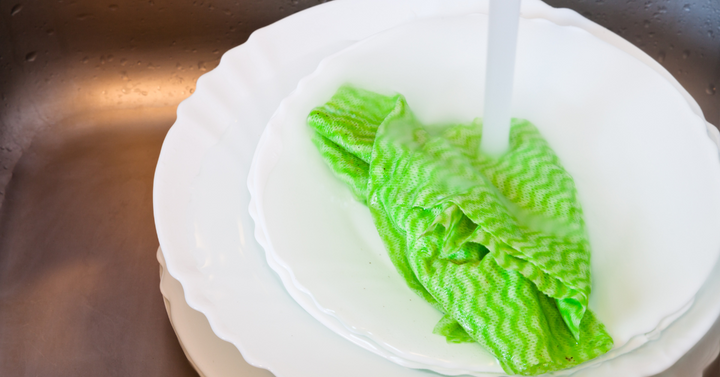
661 56
686 54
646 23
227 12
216 51
85 60
83 16
192 90
113 7
16 9
110 58
710 89
31 56
686 7
50 31
651 34
201 66
123 61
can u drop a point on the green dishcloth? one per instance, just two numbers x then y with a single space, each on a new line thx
497 244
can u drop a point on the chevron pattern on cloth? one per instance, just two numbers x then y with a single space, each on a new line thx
497 244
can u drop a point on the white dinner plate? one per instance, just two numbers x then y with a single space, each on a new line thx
229 282
646 172
214 357
324 238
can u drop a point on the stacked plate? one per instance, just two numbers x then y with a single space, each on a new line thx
201 200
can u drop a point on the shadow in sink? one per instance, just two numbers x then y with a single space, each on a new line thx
88 91
78 275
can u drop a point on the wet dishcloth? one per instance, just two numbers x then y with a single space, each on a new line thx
497 244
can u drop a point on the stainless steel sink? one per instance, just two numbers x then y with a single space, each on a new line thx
88 90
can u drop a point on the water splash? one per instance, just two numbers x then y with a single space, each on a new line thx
661 57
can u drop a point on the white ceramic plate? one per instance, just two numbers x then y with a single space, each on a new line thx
208 354
214 357
229 282
646 172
